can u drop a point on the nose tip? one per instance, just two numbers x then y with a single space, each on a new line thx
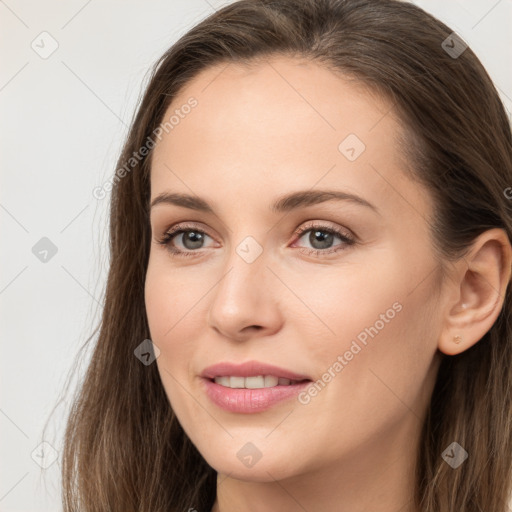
243 303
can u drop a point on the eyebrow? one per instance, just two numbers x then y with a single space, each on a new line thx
283 204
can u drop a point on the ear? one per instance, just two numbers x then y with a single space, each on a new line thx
476 292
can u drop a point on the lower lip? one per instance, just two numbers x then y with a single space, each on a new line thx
248 401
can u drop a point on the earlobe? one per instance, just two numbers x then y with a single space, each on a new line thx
458 338
478 284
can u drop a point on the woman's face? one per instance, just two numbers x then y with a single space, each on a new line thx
341 291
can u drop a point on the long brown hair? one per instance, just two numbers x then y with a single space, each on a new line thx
124 448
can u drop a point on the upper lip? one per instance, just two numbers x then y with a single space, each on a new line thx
249 369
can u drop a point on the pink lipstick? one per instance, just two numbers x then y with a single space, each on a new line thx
252 386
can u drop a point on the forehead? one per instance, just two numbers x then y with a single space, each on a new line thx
282 124
298 101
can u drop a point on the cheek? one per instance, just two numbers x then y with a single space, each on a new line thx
171 298
171 305
373 360
387 352
170 308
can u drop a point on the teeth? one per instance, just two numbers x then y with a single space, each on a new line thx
223 381
257 382
271 381
236 382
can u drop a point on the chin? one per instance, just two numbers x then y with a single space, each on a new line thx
240 467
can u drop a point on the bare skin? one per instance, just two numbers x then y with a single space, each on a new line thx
255 135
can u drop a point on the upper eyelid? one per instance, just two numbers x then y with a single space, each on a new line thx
308 224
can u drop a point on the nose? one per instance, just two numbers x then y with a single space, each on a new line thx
245 303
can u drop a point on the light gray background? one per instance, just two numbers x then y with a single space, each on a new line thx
63 121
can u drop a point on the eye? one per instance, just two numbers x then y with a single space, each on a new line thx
191 239
321 238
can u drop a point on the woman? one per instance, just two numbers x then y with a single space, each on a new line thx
307 306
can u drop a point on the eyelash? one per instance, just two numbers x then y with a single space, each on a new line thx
166 239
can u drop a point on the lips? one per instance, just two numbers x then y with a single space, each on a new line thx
244 399
250 369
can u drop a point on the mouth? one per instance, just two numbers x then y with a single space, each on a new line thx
251 375
252 386
255 382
